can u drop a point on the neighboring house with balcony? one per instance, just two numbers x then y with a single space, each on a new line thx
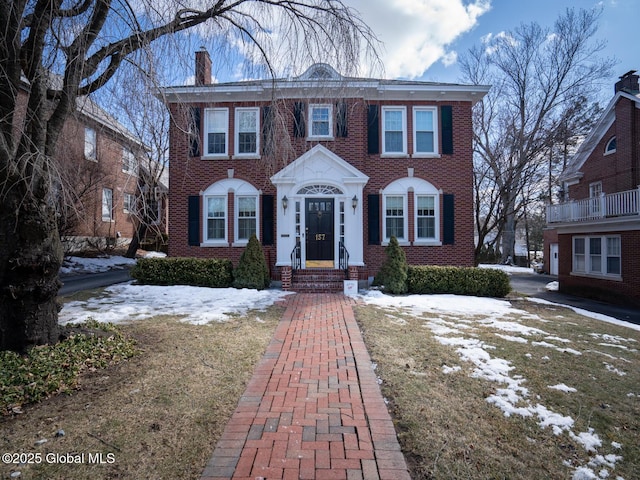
593 237
323 169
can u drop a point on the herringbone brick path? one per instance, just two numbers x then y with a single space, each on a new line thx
313 408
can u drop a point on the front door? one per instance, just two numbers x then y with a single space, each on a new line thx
319 232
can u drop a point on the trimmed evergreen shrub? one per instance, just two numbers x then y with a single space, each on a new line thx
199 272
393 272
252 271
481 282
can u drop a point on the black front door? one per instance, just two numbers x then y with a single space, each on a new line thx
319 232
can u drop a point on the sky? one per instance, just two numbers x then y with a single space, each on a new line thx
423 38
453 321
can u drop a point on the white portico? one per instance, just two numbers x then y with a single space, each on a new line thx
319 200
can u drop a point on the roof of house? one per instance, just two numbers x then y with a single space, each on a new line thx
321 76
572 172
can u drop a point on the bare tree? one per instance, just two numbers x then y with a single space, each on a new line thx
86 42
538 76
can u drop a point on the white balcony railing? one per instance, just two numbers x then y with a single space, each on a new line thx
605 206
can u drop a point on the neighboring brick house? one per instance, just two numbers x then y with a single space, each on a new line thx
593 238
324 169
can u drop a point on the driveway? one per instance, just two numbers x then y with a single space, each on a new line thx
87 281
534 286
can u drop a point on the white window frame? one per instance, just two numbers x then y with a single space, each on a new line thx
608 149
426 154
310 121
435 240
403 112
107 205
215 241
238 114
158 210
129 202
90 144
595 198
236 221
208 128
129 163
405 226
602 268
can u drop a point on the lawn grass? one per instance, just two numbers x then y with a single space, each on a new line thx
448 429
158 414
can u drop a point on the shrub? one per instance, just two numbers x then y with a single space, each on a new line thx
458 280
393 272
199 272
252 271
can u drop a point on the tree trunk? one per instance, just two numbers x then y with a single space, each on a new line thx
30 259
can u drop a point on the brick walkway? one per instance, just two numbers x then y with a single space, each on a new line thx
313 408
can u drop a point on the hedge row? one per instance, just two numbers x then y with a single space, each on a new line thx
481 282
199 272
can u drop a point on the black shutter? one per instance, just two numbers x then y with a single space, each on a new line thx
341 119
446 126
267 126
267 220
373 130
194 220
299 129
373 202
194 132
448 219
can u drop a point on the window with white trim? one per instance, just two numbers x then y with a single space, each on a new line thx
394 130
595 195
90 144
425 131
597 255
321 121
216 132
611 145
129 201
394 222
247 138
129 163
216 212
247 217
107 205
425 217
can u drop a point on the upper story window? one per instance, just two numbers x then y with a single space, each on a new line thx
129 164
247 127
394 130
216 132
90 144
425 131
129 201
320 121
610 147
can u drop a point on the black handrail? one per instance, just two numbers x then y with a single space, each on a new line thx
343 257
296 257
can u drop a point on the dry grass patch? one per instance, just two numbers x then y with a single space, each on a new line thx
159 414
448 429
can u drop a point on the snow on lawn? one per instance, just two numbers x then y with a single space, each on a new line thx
196 305
73 265
509 268
457 314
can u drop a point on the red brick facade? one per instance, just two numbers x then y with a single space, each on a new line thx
608 175
449 173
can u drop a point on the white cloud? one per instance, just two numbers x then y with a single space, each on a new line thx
416 33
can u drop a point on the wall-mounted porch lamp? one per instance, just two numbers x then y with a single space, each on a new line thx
285 203
354 203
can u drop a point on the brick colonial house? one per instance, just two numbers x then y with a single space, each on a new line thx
593 237
324 169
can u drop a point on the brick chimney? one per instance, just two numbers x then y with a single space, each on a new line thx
203 67
628 83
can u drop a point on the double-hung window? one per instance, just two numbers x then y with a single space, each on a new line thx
320 121
247 128
216 219
597 255
425 132
425 217
129 164
107 205
129 201
90 145
394 217
216 138
394 130
247 217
